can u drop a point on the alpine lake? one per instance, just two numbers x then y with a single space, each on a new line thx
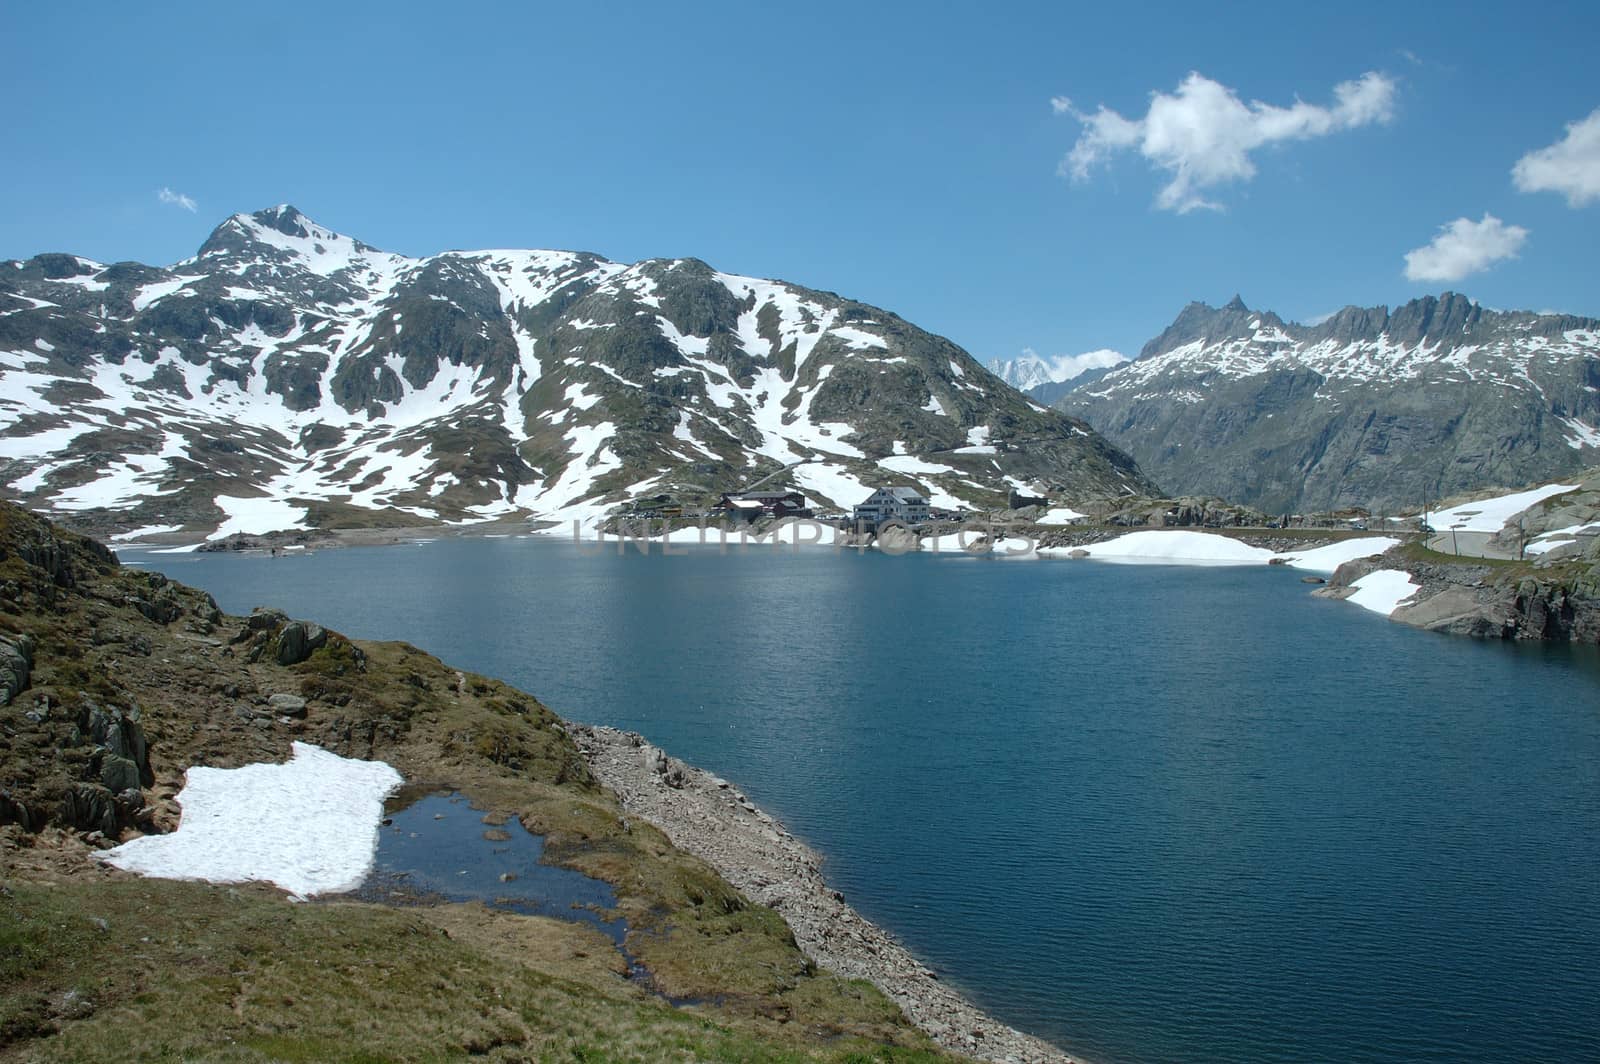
1150 813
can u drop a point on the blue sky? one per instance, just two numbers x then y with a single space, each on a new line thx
908 155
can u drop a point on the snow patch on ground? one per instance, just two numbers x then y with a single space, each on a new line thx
1582 435
147 530
1384 590
1172 548
309 825
253 516
1491 515
912 465
150 293
860 339
1327 559
1561 537
821 480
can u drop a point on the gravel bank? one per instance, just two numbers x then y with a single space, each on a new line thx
713 820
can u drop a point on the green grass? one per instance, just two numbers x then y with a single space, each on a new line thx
1418 551
184 971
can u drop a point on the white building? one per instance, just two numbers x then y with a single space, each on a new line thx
892 504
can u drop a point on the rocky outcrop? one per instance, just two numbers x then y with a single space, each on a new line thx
1528 609
1489 601
41 549
297 640
16 660
1190 511
73 748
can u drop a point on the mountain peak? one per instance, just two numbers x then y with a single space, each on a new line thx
284 233
1202 321
286 219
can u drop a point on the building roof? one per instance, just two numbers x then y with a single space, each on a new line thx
910 496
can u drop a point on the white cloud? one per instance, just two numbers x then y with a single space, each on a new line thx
1464 247
177 199
1066 367
1203 134
1570 166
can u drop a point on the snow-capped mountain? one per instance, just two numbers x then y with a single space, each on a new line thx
1046 379
1369 407
289 376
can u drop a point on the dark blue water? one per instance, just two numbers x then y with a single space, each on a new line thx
1150 813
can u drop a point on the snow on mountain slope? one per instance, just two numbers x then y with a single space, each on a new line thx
290 376
1370 407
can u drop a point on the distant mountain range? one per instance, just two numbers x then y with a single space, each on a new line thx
1046 380
1370 407
290 376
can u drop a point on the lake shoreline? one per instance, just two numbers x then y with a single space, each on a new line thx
710 818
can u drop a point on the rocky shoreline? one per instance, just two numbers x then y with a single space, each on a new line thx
710 818
1488 600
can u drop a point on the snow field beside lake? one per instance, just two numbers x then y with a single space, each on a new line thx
1327 559
1383 590
1171 548
309 825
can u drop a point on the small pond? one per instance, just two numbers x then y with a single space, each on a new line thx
439 848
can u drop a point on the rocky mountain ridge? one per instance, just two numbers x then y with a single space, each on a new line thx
289 376
1369 407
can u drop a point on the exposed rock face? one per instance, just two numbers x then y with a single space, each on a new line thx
1371 407
16 659
294 377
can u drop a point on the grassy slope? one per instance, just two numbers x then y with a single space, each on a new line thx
188 971
178 971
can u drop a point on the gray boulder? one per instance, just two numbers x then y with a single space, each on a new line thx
264 618
297 640
285 705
